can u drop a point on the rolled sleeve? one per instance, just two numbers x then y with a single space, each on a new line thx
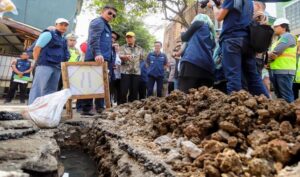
96 29
285 42
43 39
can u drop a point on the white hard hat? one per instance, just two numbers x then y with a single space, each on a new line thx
61 20
72 36
281 21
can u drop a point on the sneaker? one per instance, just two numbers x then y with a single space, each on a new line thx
6 101
100 110
87 114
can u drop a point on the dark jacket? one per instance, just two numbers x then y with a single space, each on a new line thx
200 49
99 40
156 64
144 72
55 52
23 65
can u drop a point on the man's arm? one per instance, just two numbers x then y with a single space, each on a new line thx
95 30
14 68
123 55
286 41
220 14
42 41
28 70
185 37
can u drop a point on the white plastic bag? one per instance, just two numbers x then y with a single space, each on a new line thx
46 111
7 6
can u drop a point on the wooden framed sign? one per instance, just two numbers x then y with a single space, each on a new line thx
86 80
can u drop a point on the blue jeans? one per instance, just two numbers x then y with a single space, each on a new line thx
45 82
159 83
283 86
176 84
239 59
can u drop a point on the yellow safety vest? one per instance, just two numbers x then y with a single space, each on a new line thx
285 61
297 77
74 55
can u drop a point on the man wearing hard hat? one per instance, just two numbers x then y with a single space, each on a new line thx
283 60
296 85
74 52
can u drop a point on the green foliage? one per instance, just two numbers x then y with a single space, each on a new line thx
143 37
129 19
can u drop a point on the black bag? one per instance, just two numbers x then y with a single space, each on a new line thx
260 37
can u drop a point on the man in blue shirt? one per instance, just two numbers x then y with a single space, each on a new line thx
238 57
21 68
50 50
99 45
156 62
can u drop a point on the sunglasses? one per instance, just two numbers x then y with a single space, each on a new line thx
110 13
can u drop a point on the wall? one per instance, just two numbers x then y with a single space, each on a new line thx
43 13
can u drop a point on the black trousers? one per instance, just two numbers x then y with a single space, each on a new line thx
129 84
159 85
12 90
142 90
296 88
116 91
170 87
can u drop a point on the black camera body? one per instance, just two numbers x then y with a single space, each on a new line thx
205 2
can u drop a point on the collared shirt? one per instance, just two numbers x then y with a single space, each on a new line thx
133 65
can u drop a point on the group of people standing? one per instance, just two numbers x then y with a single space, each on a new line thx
225 61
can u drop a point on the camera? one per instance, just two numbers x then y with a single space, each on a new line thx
204 3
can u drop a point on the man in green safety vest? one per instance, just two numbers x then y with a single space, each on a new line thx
296 85
74 52
283 60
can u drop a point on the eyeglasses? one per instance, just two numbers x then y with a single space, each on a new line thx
110 13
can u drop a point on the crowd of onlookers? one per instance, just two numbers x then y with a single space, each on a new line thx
224 60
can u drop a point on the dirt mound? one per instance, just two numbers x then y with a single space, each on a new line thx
207 133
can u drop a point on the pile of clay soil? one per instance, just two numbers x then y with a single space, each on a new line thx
209 133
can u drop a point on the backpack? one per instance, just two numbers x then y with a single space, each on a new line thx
260 36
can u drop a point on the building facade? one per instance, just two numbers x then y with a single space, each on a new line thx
173 29
291 11
43 13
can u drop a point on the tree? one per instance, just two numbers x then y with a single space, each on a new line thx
174 10
143 37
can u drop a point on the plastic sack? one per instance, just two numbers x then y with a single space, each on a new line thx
7 6
46 111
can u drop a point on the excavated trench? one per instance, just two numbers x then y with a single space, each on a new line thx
202 134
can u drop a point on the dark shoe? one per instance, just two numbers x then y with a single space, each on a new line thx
6 101
87 114
22 101
100 110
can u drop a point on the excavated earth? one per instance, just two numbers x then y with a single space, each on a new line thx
204 133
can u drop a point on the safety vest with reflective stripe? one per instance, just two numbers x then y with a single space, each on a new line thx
285 61
297 77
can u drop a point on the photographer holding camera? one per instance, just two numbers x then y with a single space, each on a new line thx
238 56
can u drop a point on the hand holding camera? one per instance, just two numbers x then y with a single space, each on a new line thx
209 3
